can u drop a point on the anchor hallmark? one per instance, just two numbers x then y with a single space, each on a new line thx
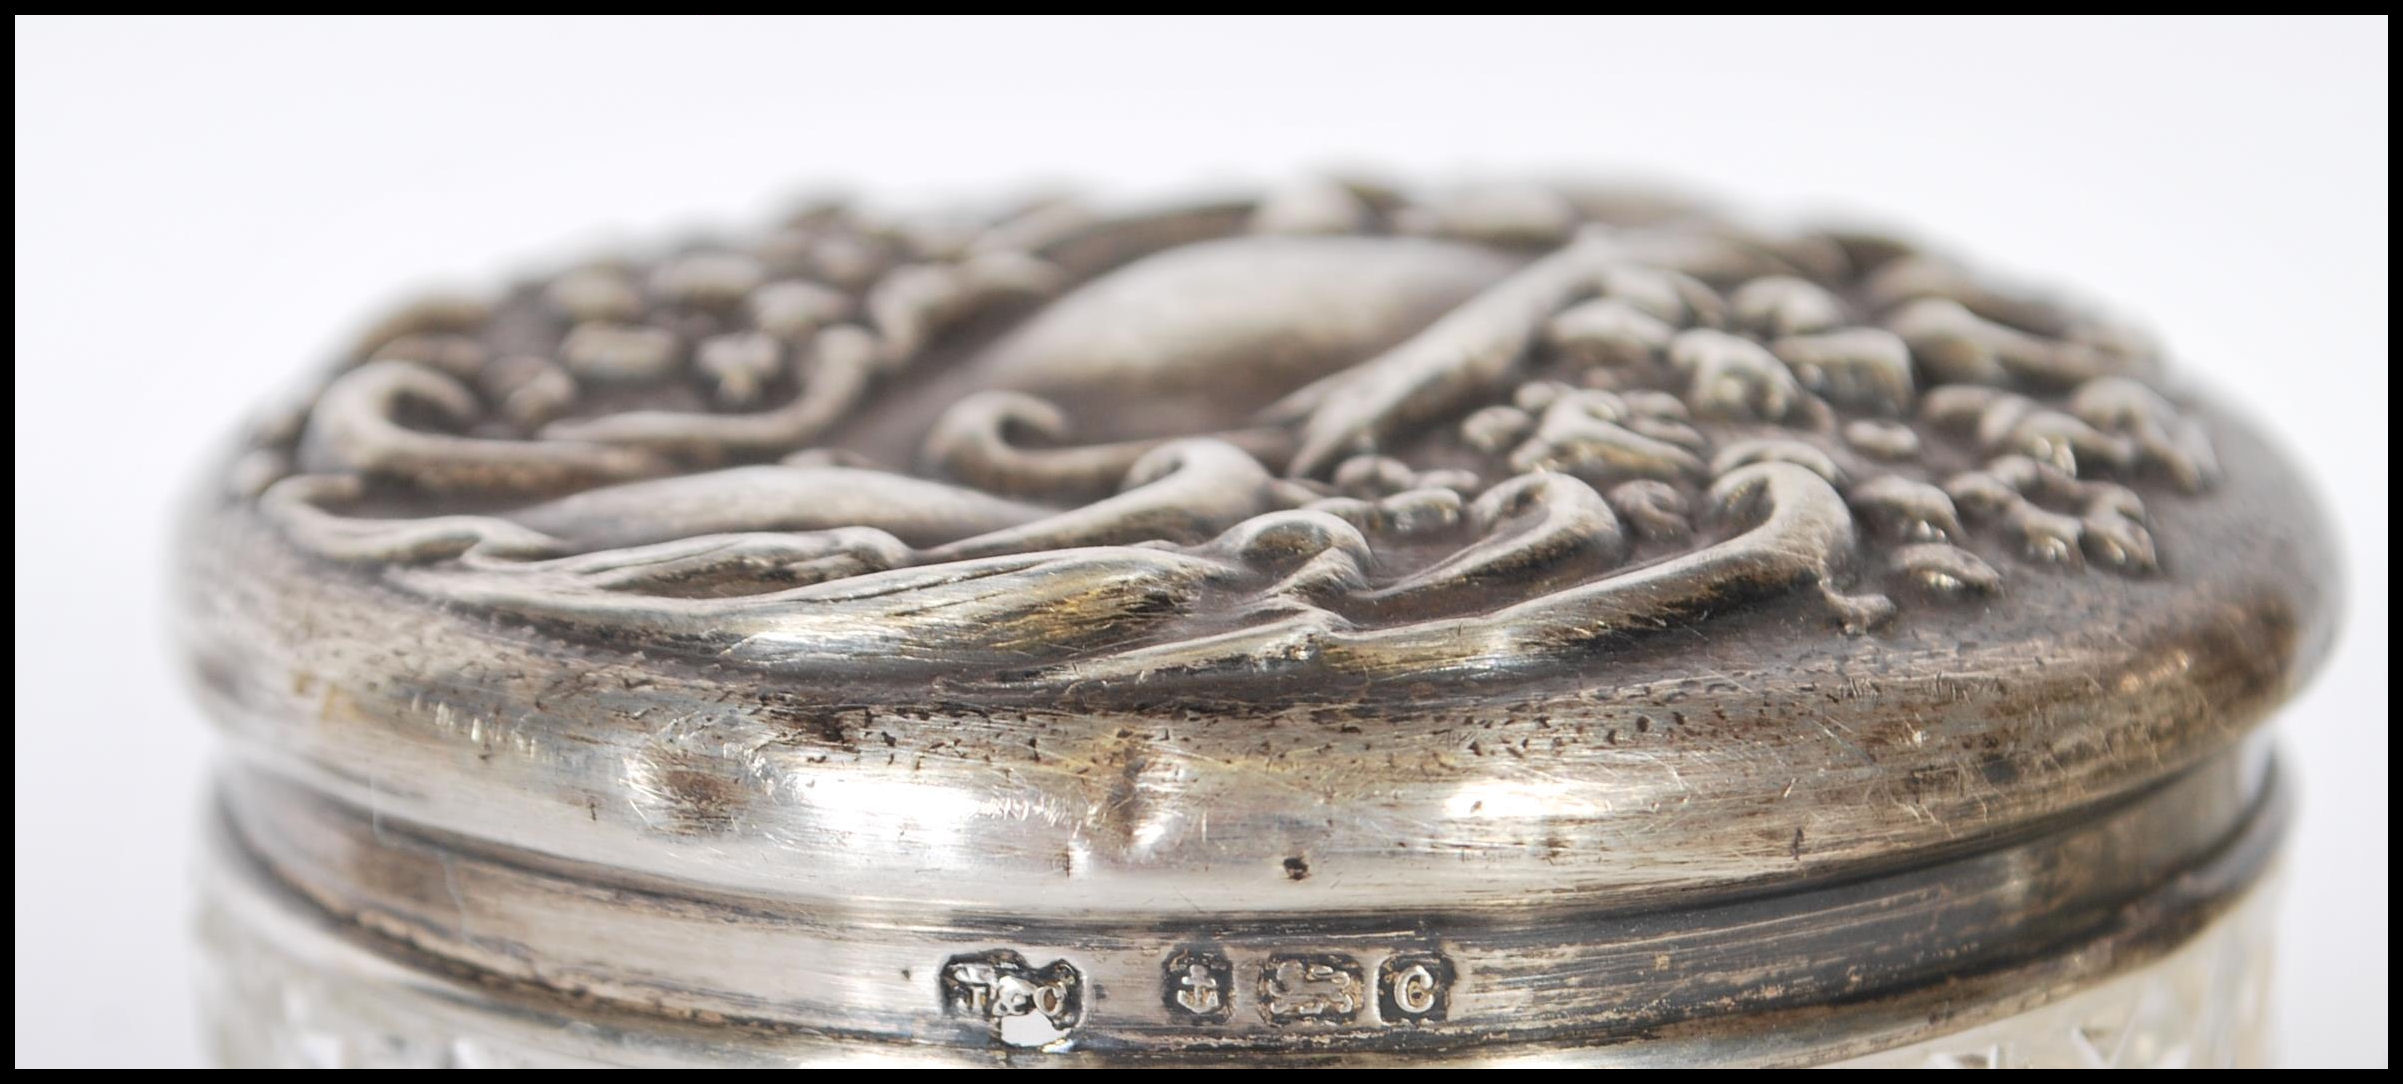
1198 986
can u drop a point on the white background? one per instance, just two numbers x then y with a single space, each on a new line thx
204 206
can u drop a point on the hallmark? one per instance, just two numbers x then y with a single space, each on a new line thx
1311 988
1197 986
1414 988
1024 1006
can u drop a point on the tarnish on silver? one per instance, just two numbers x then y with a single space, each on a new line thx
1353 624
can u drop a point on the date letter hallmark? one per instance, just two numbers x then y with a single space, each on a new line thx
1198 986
1414 988
1314 989
1022 1005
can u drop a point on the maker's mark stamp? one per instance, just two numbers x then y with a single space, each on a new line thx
1023 1005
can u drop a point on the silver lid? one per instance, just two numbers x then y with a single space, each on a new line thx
1344 556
